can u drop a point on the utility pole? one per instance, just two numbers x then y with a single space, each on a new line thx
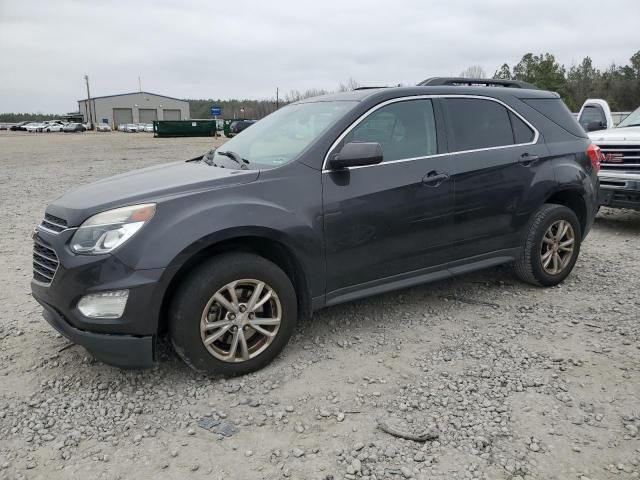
277 99
139 84
90 115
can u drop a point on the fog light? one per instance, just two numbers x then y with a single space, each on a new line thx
104 304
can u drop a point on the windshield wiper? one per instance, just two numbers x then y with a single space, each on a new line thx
208 158
243 162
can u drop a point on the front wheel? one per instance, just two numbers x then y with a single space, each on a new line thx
233 314
551 247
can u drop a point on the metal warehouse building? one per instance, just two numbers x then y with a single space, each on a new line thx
137 107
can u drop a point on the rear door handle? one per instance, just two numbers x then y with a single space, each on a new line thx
434 179
528 160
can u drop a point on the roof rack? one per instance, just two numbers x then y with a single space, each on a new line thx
368 88
475 82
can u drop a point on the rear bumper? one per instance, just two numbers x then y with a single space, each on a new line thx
620 189
125 351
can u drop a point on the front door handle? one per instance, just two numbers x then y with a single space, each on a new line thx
527 160
434 179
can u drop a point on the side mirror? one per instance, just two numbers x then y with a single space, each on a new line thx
593 126
356 154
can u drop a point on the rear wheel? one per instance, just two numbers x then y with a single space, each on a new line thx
551 247
233 314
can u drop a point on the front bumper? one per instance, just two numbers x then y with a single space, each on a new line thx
127 341
620 189
124 351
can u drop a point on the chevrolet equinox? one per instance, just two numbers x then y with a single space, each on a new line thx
327 200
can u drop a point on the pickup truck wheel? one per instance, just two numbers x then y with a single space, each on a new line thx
551 246
233 314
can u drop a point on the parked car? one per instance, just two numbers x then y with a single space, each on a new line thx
34 127
238 126
103 127
620 174
53 122
122 127
324 201
52 127
148 127
74 127
131 128
20 126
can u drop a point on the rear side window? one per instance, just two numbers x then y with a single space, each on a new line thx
521 131
556 111
476 123
405 129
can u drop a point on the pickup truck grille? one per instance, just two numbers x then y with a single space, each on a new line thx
45 262
621 157
53 223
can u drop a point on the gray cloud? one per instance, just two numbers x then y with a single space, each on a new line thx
198 49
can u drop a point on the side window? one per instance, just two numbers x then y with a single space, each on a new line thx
405 129
521 131
592 113
476 123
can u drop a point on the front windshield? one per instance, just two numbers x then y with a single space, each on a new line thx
280 137
632 119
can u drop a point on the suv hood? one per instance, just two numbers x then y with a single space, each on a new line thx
146 185
616 134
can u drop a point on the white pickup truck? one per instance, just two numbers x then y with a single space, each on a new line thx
620 144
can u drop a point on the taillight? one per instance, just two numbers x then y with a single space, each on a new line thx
595 155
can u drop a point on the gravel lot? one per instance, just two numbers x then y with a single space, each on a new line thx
507 380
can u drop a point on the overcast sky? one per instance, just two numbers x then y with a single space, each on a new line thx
245 49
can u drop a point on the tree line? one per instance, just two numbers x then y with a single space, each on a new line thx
618 84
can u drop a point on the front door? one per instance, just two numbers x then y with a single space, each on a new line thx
388 221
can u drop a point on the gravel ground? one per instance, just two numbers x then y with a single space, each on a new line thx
497 379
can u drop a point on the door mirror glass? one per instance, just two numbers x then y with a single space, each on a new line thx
357 154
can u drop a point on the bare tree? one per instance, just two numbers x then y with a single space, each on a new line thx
474 71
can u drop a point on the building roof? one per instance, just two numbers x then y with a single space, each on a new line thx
133 93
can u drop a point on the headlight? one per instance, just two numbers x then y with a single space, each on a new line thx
108 230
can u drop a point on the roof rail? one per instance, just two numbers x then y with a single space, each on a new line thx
475 82
368 88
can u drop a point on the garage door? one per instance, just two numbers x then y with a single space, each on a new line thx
122 115
170 114
148 115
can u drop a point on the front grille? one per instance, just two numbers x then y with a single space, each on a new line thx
621 157
53 223
45 262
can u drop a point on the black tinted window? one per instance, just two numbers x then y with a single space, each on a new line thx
556 111
521 131
403 129
475 123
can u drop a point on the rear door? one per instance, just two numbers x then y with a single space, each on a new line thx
496 157
388 221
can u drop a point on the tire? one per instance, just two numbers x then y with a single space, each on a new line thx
529 265
195 295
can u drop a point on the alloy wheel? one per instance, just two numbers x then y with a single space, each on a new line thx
558 244
240 320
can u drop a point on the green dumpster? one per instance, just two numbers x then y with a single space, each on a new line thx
184 128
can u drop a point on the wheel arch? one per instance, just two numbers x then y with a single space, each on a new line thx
262 242
572 198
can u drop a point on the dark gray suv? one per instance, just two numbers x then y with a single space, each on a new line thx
327 200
